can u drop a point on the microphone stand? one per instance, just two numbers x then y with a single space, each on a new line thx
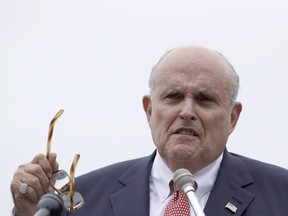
190 194
50 204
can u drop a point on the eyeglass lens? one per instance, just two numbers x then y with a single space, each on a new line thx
60 181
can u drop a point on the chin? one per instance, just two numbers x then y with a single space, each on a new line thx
184 153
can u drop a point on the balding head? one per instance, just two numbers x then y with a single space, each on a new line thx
198 54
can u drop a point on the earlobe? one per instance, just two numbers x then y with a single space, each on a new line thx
146 102
236 110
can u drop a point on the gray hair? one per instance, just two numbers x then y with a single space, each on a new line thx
154 68
235 84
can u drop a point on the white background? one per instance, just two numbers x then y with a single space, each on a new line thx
93 59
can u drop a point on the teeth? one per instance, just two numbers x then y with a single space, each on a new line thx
186 132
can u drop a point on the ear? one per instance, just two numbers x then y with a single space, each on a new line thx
236 110
147 106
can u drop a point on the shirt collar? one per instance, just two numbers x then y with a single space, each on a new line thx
162 175
206 177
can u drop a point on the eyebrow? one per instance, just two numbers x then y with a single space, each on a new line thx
170 90
208 92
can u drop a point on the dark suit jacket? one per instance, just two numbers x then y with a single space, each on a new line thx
254 188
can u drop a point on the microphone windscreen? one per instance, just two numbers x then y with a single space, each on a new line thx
51 201
183 178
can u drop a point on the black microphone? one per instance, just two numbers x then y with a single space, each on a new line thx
185 182
49 205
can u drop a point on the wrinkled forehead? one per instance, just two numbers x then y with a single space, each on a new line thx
192 60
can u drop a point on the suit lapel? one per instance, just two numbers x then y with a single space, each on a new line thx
133 199
229 196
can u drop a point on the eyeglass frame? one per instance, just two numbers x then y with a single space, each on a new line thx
71 183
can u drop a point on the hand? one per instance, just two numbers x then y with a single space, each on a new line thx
36 175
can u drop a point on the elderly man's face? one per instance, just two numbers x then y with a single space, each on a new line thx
189 110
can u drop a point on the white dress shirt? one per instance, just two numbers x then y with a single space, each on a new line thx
161 175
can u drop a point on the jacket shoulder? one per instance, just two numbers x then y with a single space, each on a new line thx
112 173
259 168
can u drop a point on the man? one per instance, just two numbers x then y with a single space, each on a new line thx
191 111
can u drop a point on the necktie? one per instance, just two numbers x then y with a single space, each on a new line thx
178 205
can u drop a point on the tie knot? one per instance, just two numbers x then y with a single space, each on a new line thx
178 205
173 188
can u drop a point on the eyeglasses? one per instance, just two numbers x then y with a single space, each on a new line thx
60 180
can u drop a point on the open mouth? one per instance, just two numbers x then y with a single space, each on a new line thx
187 132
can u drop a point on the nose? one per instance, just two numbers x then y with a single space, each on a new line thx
187 111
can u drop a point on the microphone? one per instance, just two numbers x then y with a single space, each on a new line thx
185 182
49 204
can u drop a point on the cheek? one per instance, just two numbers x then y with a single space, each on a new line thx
217 130
160 122
157 122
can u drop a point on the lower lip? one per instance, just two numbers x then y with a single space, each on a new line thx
186 136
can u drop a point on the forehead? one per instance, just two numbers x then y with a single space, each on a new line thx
192 66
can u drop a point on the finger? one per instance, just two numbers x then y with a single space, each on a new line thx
19 178
30 195
44 163
35 177
54 164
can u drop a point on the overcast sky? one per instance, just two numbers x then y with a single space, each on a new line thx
93 59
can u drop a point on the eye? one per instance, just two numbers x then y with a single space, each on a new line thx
203 97
174 95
